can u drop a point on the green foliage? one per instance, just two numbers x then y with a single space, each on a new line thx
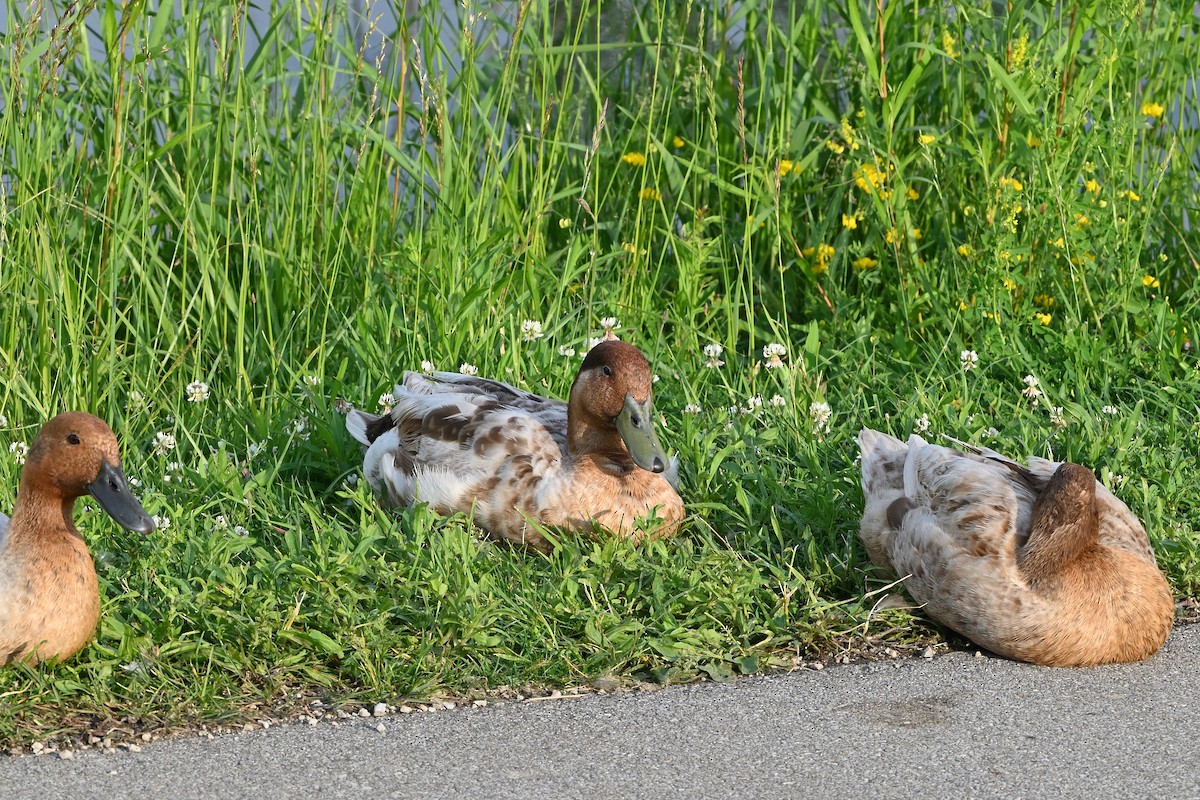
290 220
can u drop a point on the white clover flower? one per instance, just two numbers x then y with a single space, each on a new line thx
19 450
774 353
163 443
219 522
609 324
821 414
468 369
240 530
752 404
1116 480
1110 410
921 424
172 472
1031 389
311 380
428 368
531 330
969 359
3 421
692 408
162 523
299 428
1056 417
566 351
713 353
386 401
351 481
197 392
134 482
254 448
992 433
777 401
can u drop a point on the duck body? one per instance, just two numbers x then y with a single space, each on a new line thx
49 594
1036 562
518 461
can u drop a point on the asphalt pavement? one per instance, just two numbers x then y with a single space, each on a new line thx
952 726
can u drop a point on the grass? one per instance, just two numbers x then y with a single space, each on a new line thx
267 210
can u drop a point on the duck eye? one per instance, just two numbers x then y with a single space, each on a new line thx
607 370
73 438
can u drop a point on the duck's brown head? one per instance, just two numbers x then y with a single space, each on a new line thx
613 390
76 454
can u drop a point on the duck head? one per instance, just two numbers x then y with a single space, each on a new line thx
613 391
76 454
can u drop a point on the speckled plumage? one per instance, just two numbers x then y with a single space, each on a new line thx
49 596
518 461
1039 563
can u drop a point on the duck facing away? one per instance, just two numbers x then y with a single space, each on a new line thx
49 596
1038 563
519 461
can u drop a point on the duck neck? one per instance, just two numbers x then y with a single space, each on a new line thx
40 514
598 438
1063 527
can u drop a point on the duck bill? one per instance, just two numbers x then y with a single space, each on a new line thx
111 491
635 423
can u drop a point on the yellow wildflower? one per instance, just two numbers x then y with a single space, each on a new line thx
848 134
1043 318
911 193
786 168
1010 284
1011 183
1091 185
1059 243
808 251
1043 300
649 193
1020 50
891 237
824 255
948 44
849 221
962 305
968 211
866 262
678 142
1033 141
1082 220
916 234
563 222
1152 109
1150 282
926 139
965 250
634 159
869 176
1130 195
834 146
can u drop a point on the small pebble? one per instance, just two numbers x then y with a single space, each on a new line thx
380 728
927 652
362 712
66 755
145 737
37 747
133 748
381 709
479 703
447 705
342 714
406 709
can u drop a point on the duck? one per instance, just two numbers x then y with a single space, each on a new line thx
519 462
1036 562
49 594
